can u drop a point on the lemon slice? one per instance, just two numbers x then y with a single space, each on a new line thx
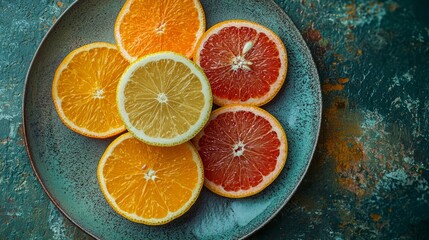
164 99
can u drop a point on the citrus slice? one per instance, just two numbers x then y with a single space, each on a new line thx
164 99
149 26
149 184
84 90
245 62
243 149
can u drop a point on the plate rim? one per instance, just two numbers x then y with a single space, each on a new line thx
319 116
24 126
285 201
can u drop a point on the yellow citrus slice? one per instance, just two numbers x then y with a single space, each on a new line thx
243 149
245 62
149 184
148 26
164 99
84 90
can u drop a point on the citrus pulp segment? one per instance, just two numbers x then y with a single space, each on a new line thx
84 90
148 26
164 99
149 184
243 149
245 62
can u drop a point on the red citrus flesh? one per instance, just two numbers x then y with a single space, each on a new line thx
245 62
243 150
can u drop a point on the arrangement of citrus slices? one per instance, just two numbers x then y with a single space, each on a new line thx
146 84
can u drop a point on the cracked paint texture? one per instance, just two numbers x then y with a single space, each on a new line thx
369 177
25 210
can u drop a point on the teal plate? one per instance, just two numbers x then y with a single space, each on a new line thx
65 162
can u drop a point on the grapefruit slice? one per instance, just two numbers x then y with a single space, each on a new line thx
148 184
245 62
243 149
149 26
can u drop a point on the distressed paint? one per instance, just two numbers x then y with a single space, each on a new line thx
369 177
25 211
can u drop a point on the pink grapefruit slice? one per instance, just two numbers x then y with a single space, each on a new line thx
243 149
245 62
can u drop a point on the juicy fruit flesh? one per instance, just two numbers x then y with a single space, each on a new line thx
149 181
87 88
164 98
236 63
238 150
152 30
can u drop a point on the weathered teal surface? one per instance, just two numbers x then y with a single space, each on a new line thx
25 211
369 178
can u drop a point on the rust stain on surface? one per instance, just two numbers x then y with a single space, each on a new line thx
343 80
21 134
393 6
341 145
364 150
359 52
328 87
375 217
311 34
59 4
318 46
339 57
351 11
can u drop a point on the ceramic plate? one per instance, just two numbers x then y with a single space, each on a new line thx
65 162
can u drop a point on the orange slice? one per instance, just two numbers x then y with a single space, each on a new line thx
243 149
148 26
84 90
148 184
245 62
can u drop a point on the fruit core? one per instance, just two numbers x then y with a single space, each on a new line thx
162 98
238 149
161 28
150 175
240 62
98 93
